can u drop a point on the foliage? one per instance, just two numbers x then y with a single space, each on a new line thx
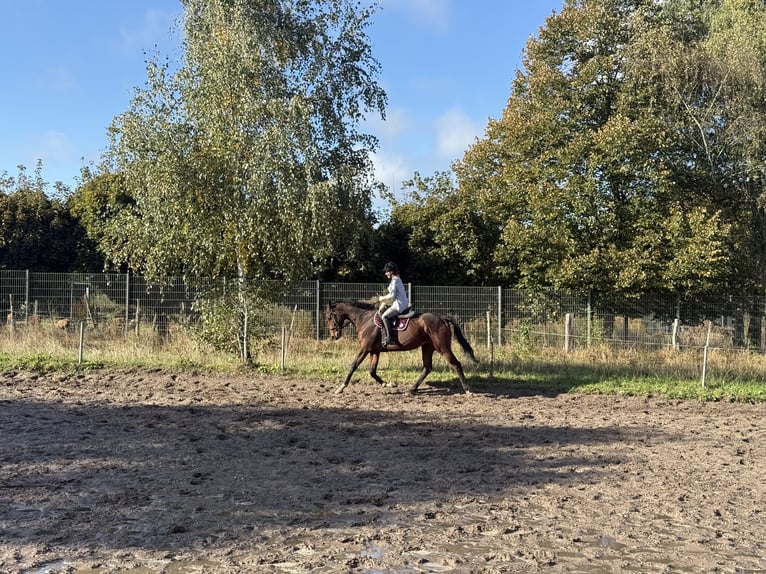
97 203
247 160
218 325
630 155
449 241
704 78
228 317
37 231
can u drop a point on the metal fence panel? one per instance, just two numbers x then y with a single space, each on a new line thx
120 302
13 295
537 318
469 306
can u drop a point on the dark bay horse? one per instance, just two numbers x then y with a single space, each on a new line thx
425 330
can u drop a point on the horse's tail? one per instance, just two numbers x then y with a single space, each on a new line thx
466 346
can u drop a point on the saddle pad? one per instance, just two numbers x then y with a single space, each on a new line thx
400 324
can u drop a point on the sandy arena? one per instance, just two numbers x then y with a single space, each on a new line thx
153 472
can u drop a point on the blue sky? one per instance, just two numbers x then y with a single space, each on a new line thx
70 66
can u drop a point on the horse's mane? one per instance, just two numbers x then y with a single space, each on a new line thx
359 304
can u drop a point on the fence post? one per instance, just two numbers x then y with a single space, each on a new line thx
11 320
568 333
127 303
26 297
499 315
245 349
489 330
589 319
318 309
705 351
763 328
82 341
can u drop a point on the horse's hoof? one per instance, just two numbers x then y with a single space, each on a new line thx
339 390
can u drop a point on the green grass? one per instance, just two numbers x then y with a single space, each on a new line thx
46 348
731 375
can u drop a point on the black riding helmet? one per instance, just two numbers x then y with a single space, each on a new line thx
392 267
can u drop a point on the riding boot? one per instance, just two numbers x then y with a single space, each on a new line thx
388 326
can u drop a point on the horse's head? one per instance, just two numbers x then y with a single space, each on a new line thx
335 321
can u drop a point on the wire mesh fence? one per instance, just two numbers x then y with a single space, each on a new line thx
121 303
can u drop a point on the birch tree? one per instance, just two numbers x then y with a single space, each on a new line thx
247 159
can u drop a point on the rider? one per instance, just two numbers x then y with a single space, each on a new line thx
396 299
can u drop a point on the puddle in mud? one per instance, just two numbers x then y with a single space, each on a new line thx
48 568
62 566
372 551
609 542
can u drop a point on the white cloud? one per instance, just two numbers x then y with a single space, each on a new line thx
432 14
54 147
58 79
391 169
153 29
396 123
455 132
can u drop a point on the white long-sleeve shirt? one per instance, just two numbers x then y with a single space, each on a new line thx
397 295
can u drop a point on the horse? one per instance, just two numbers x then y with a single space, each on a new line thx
428 331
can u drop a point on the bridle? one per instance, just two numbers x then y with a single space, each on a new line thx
336 326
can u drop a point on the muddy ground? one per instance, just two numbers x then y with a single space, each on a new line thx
153 472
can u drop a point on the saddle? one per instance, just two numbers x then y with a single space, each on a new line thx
401 321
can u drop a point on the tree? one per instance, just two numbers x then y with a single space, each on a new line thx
247 160
96 204
449 241
37 232
591 173
703 75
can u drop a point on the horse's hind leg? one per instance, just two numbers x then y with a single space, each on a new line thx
427 352
453 362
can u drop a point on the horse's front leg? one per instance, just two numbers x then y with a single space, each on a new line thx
354 365
374 358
